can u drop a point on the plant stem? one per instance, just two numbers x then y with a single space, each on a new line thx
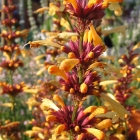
98 101
73 117
81 43
126 129
14 111
70 136
10 77
13 98
67 18
80 72
75 111
80 76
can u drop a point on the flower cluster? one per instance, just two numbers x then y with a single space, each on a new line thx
82 81
10 130
89 10
123 89
11 65
12 90
85 124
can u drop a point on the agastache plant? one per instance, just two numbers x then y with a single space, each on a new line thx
79 77
11 52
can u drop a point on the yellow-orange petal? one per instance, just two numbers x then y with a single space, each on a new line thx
110 115
105 4
41 71
113 6
90 38
41 10
59 100
6 55
138 134
7 105
96 64
47 104
99 110
65 24
47 42
50 118
104 124
115 0
80 136
53 9
136 46
41 136
32 91
39 57
92 2
67 35
85 38
119 29
30 133
37 128
56 71
60 129
96 39
118 12
97 133
108 82
116 106
67 64
73 2
89 109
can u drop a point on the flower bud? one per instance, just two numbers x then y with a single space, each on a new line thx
83 88
72 90
91 54
71 55
77 128
99 110
65 49
90 109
